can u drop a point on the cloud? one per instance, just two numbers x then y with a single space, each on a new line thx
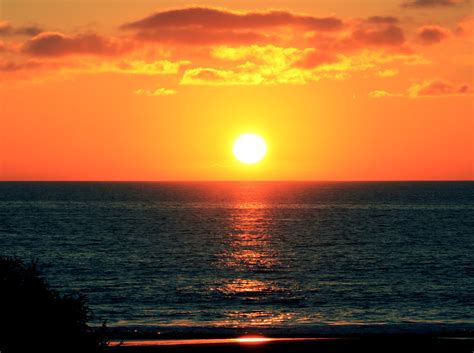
69 54
45 69
12 66
438 87
235 48
49 44
140 67
314 58
381 35
252 65
428 35
212 26
269 54
9 48
465 27
247 75
379 94
220 77
383 20
156 92
204 37
6 29
216 18
209 25
428 88
433 3
271 65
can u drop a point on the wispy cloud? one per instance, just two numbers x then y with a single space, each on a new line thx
381 94
428 88
7 29
270 65
438 87
433 3
141 67
58 44
156 92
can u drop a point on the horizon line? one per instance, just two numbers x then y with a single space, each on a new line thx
228 180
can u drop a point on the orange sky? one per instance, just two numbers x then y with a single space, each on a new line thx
159 90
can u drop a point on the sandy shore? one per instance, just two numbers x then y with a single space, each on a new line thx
379 343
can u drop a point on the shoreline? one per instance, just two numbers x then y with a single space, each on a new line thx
363 343
249 340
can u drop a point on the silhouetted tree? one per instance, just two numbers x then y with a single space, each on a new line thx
36 318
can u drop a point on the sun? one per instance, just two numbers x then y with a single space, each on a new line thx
249 148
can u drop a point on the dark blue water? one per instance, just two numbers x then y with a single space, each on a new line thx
284 255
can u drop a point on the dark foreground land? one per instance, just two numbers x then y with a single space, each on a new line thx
380 344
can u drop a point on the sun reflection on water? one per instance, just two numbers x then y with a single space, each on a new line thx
257 318
249 251
249 244
245 286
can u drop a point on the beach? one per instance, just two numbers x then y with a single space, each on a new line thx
377 343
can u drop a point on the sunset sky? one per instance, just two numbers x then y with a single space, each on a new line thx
160 90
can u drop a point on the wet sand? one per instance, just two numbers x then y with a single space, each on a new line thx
377 343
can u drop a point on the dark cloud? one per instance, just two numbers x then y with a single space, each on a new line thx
204 37
6 29
197 25
429 35
29 30
387 35
223 19
59 44
464 89
383 19
433 3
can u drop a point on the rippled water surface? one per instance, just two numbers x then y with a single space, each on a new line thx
251 254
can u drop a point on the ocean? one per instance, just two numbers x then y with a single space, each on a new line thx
288 256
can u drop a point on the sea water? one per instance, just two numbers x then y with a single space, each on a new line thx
286 255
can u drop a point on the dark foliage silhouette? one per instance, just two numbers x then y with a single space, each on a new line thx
34 317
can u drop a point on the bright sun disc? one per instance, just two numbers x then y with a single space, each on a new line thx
249 148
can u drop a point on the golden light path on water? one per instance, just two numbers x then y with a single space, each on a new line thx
249 248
